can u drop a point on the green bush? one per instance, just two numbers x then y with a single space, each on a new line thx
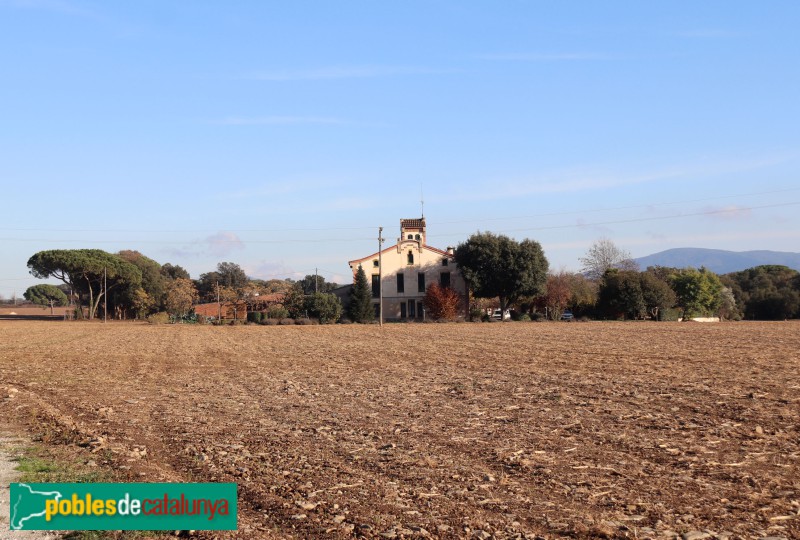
524 317
324 306
162 317
277 312
306 322
254 316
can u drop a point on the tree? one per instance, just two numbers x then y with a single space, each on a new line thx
604 255
85 271
227 295
294 301
767 292
154 283
497 266
174 271
698 292
46 295
360 308
558 295
325 307
312 284
181 295
656 293
620 294
142 303
228 274
441 303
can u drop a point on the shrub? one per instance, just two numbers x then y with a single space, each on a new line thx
162 317
524 317
254 316
324 306
270 322
276 312
306 322
286 321
441 302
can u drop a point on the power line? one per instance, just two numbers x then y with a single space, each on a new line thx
635 220
434 223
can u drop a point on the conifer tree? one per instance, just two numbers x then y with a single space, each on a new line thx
360 308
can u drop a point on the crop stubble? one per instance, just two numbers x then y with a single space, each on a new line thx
455 430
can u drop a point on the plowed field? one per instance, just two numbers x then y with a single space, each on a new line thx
512 430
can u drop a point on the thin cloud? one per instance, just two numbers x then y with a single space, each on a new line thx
546 57
281 120
344 72
223 243
728 213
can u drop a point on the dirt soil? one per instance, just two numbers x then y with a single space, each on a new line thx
501 430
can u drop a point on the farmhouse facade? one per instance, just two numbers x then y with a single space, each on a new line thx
404 271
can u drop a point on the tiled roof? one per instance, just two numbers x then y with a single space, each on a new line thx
412 223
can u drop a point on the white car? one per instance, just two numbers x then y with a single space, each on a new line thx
506 316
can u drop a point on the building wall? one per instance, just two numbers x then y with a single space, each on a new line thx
395 260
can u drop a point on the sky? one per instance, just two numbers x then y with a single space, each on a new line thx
281 135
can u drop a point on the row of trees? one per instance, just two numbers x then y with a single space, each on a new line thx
135 286
494 266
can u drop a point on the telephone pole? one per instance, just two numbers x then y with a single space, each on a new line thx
380 276
105 295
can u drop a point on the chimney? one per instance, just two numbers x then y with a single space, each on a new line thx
451 250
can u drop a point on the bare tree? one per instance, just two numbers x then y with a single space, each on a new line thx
604 255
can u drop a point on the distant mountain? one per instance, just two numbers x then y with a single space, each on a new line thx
718 260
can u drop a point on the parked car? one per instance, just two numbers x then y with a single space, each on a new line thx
505 316
567 316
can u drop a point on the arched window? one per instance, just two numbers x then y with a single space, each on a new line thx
410 236
410 257
417 237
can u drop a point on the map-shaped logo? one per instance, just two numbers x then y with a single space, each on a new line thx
29 504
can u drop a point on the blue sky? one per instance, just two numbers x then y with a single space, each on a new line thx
280 135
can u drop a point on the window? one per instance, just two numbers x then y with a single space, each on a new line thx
444 279
421 282
410 257
375 263
410 237
403 310
401 283
376 285
445 261
417 237
377 310
412 306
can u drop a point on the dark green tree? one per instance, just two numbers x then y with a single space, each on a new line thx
768 292
620 295
656 294
46 295
322 286
360 308
497 266
294 301
174 271
324 306
84 271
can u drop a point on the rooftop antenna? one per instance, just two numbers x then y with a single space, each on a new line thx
422 201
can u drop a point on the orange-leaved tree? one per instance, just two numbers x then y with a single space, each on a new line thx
441 303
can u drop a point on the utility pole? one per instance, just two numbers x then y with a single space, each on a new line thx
105 295
380 276
316 277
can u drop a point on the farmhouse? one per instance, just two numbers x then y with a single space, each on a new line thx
405 270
